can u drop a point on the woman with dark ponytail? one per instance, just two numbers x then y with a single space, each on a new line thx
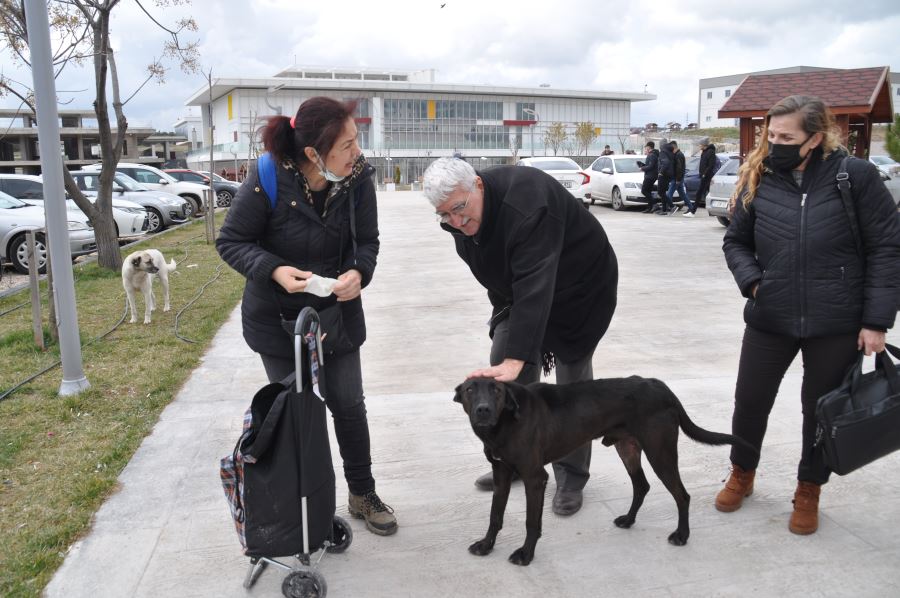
320 229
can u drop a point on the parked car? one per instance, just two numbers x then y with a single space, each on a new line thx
617 179
723 183
692 174
163 209
18 217
721 188
156 179
893 185
565 170
225 189
130 218
886 164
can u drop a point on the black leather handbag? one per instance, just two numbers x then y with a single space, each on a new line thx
859 421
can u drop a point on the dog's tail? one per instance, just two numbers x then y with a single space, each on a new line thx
171 265
698 434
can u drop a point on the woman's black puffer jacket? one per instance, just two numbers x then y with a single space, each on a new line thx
796 242
254 240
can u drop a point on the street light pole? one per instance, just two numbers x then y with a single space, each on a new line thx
536 117
38 28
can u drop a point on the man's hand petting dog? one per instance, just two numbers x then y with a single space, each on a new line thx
525 427
507 371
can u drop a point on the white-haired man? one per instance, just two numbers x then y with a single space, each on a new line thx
551 277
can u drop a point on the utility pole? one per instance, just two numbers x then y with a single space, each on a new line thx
38 25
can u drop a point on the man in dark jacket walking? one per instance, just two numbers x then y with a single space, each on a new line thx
666 173
650 169
677 184
707 169
550 274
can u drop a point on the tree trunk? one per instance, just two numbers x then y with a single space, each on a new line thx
108 254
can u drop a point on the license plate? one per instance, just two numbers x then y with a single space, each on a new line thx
718 204
567 184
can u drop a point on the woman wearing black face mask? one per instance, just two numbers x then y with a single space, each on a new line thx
793 255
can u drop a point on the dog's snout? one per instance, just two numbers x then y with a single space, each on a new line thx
482 410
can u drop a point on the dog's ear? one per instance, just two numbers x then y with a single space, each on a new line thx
457 398
136 262
510 402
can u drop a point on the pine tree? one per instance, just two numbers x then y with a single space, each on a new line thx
892 139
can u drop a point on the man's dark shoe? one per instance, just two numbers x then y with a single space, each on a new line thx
486 482
567 502
378 516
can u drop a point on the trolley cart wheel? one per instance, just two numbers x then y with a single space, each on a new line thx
304 583
342 535
257 566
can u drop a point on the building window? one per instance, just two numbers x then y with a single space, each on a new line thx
708 118
708 95
727 93
520 111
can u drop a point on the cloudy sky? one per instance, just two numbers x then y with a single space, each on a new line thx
615 45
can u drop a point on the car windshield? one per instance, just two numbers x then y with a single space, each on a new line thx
882 160
730 168
8 201
556 164
692 164
128 183
627 165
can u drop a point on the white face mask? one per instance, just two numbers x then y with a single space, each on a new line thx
323 170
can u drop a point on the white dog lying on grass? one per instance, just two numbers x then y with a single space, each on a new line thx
137 275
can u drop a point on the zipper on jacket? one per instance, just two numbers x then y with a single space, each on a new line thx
803 265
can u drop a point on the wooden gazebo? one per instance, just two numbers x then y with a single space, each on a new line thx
857 97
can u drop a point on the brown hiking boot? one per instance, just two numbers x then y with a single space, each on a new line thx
738 486
805 518
379 517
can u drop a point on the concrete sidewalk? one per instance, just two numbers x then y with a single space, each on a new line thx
168 532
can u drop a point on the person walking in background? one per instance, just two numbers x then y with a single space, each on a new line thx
811 285
324 222
650 168
706 169
666 174
551 277
606 151
677 183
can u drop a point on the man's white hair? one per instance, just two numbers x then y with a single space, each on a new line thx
444 176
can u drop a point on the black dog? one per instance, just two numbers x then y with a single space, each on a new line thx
525 427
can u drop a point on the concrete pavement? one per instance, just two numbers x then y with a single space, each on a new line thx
167 532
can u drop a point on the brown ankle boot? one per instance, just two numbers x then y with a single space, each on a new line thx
805 518
738 486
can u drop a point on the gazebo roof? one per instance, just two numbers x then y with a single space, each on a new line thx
845 91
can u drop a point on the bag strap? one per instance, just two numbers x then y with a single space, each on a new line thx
844 186
265 169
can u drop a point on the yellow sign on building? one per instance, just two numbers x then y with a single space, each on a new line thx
432 112
230 108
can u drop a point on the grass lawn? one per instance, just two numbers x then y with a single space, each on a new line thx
60 456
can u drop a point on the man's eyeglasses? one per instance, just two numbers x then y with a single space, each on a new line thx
444 217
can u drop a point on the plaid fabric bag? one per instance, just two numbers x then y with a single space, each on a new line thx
231 467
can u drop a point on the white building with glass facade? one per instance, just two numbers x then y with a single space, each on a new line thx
406 119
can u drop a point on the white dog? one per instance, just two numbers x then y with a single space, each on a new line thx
137 275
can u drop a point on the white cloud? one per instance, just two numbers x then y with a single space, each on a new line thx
619 45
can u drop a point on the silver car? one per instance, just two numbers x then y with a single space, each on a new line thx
18 217
721 188
163 209
723 183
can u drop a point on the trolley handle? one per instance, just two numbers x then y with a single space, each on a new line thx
307 320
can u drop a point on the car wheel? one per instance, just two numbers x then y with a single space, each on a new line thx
18 254
195 205
154 221
617 203
223 199
723 220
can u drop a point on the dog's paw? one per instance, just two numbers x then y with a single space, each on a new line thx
624 521
167 308
132 321
521 557
146 321
481 547
677 539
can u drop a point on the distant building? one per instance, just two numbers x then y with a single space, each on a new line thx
406 119
79 142
715 91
